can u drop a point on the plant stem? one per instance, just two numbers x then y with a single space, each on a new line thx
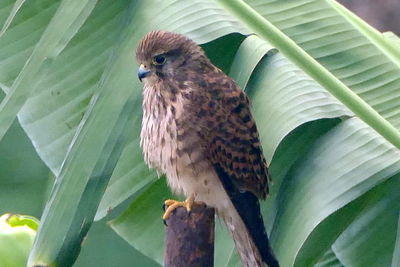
376 37
297 55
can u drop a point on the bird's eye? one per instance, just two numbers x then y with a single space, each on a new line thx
159 60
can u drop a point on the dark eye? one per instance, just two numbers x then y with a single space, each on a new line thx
159 60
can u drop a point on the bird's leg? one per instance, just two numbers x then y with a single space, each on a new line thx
173 204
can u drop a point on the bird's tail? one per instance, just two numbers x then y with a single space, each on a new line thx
244 220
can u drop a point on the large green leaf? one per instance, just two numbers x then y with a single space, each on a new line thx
17 43
96 250
70 84
350 70
145 232
329 259
396 252
376 224
340 47
24 186
22 175
99 56
292 97
67 20
315 192
5 8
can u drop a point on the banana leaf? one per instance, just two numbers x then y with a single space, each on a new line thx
69 77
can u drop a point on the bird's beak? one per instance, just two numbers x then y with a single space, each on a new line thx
142 72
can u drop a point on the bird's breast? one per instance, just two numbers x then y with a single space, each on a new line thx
159 128
170 140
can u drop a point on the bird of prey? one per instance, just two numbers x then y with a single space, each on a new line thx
198 130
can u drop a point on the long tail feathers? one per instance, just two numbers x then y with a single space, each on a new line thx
244 220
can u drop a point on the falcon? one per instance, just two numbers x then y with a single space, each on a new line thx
198 130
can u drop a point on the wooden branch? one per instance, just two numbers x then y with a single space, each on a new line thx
190 237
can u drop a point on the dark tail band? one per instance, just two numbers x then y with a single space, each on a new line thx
248 207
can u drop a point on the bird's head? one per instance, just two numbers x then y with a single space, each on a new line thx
163 54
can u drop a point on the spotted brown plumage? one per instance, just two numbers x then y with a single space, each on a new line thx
197 129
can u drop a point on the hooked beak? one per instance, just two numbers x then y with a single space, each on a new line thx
142 72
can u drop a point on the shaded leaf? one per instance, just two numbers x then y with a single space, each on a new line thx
375 225
100 56
315 189
146 231
396 252
329 259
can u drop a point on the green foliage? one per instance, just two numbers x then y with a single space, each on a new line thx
69 72
17 233
25 184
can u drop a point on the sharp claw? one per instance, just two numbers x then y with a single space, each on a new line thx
169 202
165 222
170 205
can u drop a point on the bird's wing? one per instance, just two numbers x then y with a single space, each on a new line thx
235 151
234 145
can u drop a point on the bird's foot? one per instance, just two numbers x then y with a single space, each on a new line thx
173 204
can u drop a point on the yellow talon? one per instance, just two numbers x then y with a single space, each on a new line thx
173 204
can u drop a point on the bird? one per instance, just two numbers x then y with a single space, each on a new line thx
197 129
